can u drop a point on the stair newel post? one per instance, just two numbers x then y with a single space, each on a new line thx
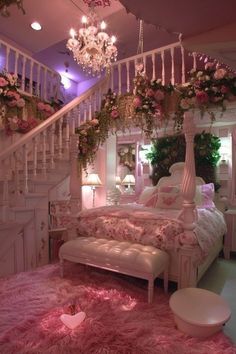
25 169
60 137
189 177
35 156
75 177
44 161
52 146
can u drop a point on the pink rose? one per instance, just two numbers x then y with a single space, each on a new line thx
209 66
137 102
20 103
150 93
115 114
40 106
12 103
159 95
48 108
3 82
202 97
224 89
220 74
93 122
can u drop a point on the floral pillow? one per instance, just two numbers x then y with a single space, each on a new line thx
169 197
204 196
148 197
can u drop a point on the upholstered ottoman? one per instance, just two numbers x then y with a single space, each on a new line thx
133 259
199 312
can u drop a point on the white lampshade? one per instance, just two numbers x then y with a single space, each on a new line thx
92 180
118 180
129 179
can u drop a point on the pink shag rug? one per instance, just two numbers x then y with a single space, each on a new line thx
118 317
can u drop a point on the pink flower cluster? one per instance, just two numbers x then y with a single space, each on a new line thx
8 90
45 108
15 124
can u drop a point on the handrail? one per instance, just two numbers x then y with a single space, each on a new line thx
150 52
28 57
54 118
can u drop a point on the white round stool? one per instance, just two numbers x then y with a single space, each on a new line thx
199 312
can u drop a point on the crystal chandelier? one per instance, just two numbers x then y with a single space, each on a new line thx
91 46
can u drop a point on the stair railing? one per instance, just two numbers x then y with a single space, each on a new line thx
169 63
35 78
35 153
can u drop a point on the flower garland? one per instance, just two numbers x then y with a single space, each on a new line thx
206 89
152 105
12 103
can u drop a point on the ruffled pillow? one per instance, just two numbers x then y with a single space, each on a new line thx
148 197
204 196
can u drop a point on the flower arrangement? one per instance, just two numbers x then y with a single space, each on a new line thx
206 89
9 94
91 134
127 156
19 125
12 103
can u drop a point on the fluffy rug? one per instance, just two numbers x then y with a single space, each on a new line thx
118 318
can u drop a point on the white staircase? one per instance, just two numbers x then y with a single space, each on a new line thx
32 166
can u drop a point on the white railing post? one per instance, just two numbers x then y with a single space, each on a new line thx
31 78
163 67
52 146
7 58
23 73
183 65
172 66
153 67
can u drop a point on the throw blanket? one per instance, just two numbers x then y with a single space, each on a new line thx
156 227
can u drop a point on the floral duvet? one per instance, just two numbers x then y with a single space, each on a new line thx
156 227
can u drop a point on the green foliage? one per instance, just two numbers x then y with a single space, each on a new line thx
168 150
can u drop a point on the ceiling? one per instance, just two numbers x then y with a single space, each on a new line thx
206 26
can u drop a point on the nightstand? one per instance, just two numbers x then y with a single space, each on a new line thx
230 237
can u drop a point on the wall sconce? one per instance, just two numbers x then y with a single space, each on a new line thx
129 181
94 181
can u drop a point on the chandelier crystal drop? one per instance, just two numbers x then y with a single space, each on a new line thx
92 47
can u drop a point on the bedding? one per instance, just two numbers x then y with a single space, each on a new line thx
152 226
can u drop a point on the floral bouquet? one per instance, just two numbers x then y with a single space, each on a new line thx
9 90
212 86
19 125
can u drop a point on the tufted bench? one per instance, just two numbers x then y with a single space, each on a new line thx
133 259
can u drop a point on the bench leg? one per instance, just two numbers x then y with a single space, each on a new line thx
62 267
166 281
150 290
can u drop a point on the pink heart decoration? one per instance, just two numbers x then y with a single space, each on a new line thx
73 321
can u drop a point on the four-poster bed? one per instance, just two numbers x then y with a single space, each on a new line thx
180 232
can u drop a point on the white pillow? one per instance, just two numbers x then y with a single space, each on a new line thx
146 194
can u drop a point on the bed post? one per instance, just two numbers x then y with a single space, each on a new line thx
187 270
75 177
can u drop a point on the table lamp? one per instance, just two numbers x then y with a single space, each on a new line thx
94 181
129 181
